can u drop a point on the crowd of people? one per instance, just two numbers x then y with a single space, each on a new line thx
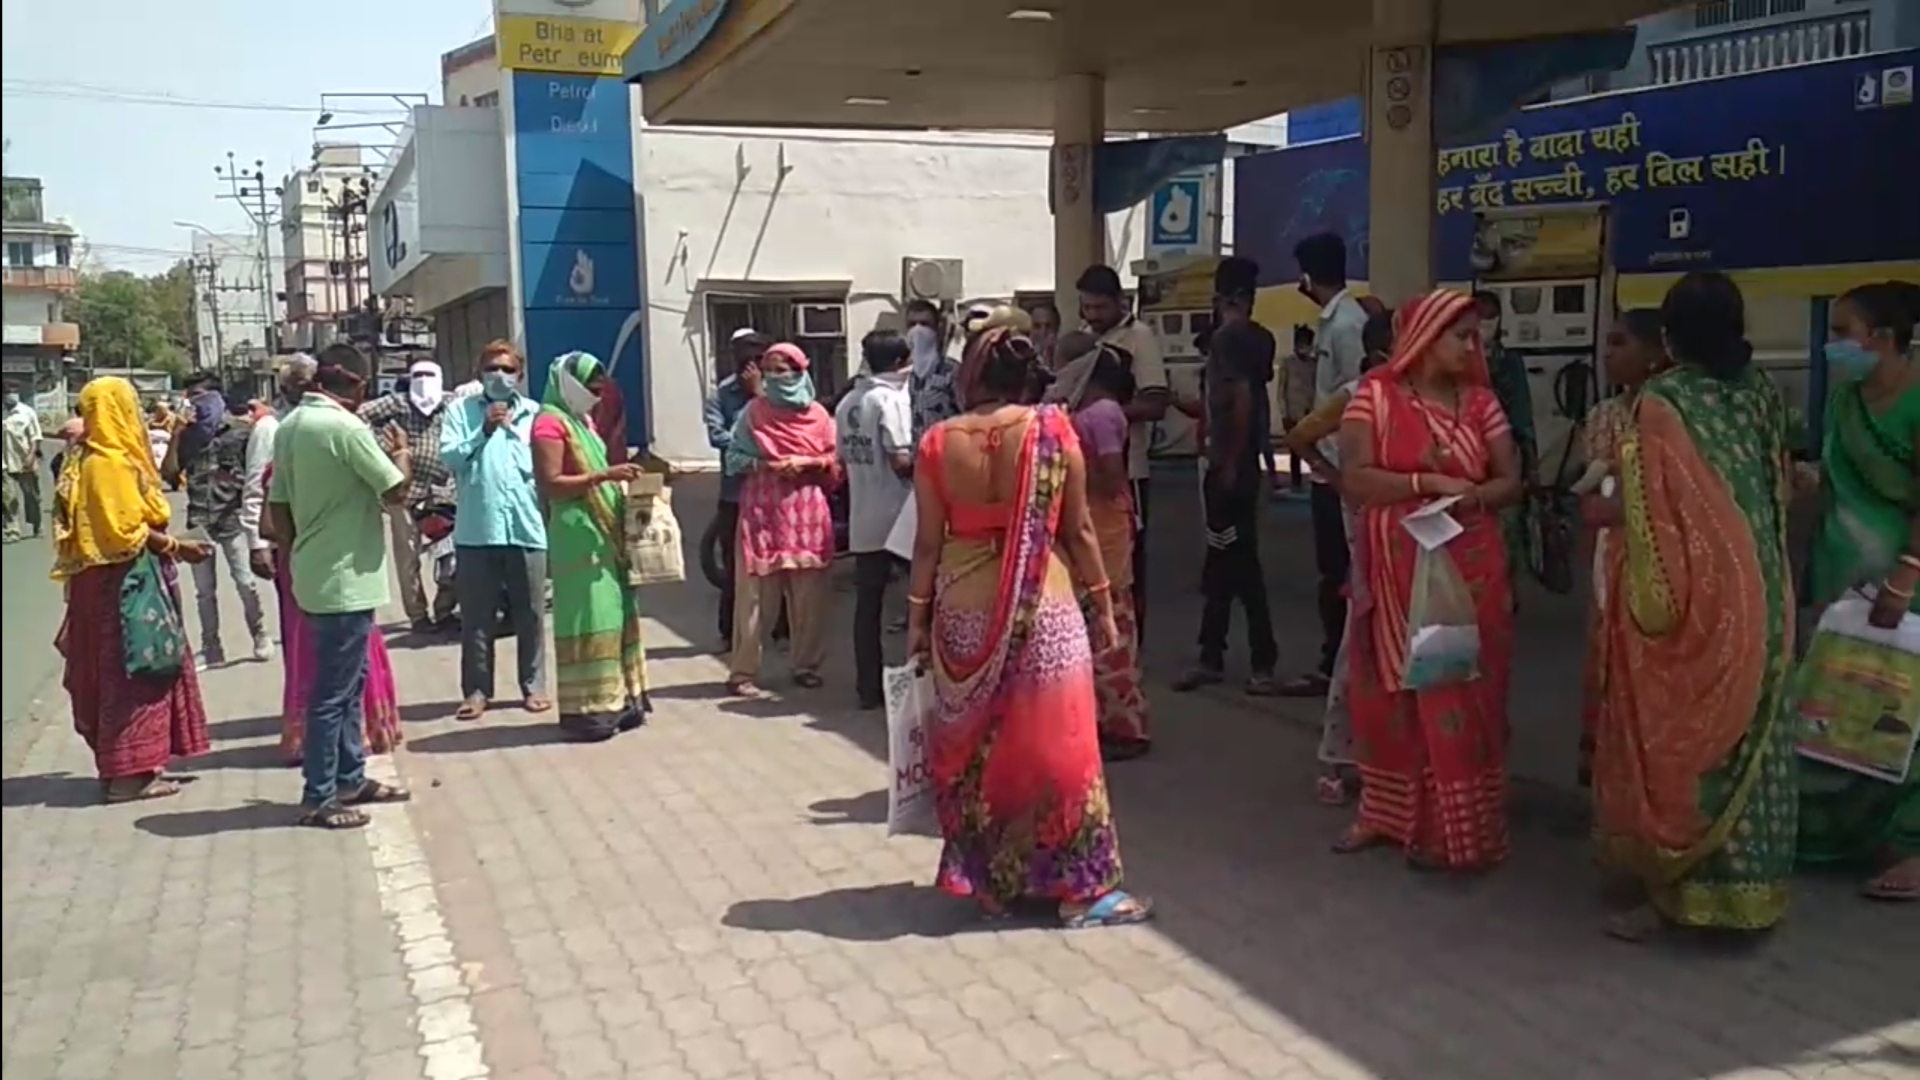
1008 487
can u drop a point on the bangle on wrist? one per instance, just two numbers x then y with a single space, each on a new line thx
1902 594
1104 586
1416 483
919 601
1910 561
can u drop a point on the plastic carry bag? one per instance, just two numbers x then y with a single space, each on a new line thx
1857 692
654 556
910 705
1443 628
905 527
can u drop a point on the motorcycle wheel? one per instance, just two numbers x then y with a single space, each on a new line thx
711 564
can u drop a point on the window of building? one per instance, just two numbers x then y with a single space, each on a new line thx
63 254
797 317
488 100
19 254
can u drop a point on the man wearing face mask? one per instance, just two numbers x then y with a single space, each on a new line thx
500 535
417 410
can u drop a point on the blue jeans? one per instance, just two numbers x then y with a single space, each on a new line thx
335 758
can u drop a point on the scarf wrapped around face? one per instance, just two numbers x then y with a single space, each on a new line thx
109 493
784 421
568 400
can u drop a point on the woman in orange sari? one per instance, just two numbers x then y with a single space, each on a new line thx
1694 766
1432 761
1013 746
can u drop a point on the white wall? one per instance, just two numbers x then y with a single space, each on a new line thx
46 248
32 307
848 207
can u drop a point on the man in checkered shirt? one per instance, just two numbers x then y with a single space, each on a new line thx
418 412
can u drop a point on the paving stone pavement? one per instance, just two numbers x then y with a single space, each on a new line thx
713 897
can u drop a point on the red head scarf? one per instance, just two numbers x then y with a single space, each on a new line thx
989 342
1419 323
783 432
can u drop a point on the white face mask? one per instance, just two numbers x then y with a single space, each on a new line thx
578 398
425 389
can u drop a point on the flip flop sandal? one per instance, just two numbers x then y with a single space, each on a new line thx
745 688
1117 908
1886 891
333 817
807 680
1262 686
156 788
1332 791
1357 839
373 792
1303 686
1195 678
470 710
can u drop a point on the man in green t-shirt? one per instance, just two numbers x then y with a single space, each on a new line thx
331 479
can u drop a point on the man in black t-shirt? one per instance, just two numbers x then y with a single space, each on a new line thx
1239 361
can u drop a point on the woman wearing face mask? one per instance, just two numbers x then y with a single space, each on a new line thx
784 444
599 658
1869 536
1693 764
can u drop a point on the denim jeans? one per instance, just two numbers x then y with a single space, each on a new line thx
335 759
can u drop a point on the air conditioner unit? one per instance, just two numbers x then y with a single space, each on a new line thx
934 280
820 320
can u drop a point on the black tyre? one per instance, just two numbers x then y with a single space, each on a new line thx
710 562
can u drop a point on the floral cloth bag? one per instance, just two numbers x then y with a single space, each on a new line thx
153 641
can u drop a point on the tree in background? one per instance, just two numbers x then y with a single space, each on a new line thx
131 321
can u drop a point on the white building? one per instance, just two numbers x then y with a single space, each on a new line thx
40 277
807 235
323 237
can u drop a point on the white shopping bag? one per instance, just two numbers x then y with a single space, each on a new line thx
905 527
910 705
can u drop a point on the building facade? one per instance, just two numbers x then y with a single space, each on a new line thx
41 275
323 235
232 300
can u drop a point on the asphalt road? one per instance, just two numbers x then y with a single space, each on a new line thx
29 666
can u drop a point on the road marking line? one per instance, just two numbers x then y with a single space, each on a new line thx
443 1007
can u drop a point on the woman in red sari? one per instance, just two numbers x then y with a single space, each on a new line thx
1426 425
110 512
1014 746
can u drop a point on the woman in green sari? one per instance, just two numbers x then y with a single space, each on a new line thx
1869 536
600 661
1693 765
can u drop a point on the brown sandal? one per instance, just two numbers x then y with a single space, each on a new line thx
1356 839
472 708
1899 884
536 703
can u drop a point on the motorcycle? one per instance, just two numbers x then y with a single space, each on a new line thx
434 523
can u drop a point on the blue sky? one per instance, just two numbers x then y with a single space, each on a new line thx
80 78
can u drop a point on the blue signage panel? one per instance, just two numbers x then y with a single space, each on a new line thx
580 275
672 35
1774 169
579 254
1176 211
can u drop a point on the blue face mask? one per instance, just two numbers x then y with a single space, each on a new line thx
793 390
500 385
1848 359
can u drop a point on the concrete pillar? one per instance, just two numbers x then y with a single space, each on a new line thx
1079 231
1399 126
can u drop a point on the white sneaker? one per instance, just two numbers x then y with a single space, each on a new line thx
263 648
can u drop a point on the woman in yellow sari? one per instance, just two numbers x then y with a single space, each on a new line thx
110 521
1693 767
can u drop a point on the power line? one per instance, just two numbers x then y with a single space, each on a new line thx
121 96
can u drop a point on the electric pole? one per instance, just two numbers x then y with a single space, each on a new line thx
248 189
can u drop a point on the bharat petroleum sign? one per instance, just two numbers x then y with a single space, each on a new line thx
672 35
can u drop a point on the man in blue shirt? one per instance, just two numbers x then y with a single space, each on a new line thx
724 406
499 535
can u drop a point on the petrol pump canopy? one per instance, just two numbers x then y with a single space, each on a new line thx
1193 65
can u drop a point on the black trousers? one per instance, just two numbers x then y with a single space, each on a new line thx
728 519
1140 489
1334 562
872 572
1232 572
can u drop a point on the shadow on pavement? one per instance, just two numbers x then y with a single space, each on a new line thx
481 735
868 809
60 791
247 817
866 913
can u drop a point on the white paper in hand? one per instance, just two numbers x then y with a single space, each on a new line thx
1431 526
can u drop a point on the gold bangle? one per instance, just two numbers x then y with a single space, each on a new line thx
1101 587
1899 594
1910 561
919 601
1416 483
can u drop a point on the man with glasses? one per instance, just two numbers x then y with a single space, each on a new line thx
499 535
